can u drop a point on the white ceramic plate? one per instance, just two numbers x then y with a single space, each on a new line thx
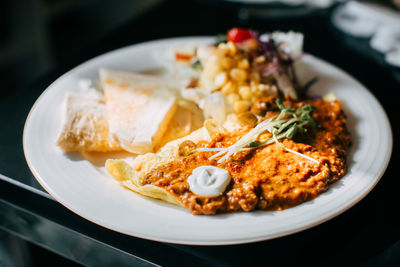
87 190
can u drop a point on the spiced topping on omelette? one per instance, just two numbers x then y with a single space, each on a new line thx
267 177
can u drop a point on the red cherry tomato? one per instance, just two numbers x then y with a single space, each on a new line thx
237 35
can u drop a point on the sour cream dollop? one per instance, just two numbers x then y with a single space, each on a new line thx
208 181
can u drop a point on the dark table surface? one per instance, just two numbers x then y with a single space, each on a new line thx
365 235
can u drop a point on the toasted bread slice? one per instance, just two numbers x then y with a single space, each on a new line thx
85 126
139 108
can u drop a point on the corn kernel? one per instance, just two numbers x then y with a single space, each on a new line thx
238 75
241 106
231 48
263 87
220 79
245 92
243 64
232 98
228 88
226 62
223 46
255 76
254 85
259 59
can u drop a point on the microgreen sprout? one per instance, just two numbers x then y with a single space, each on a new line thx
287 124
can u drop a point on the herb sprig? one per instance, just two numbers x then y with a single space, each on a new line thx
285 125
282 127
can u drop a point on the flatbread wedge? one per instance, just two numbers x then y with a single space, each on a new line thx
139 108
128 178
188 118
85 126
132 176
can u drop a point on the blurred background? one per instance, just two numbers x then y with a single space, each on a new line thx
38 36
42 39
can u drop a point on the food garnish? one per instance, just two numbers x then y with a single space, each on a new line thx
238 35
285 125
208 181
